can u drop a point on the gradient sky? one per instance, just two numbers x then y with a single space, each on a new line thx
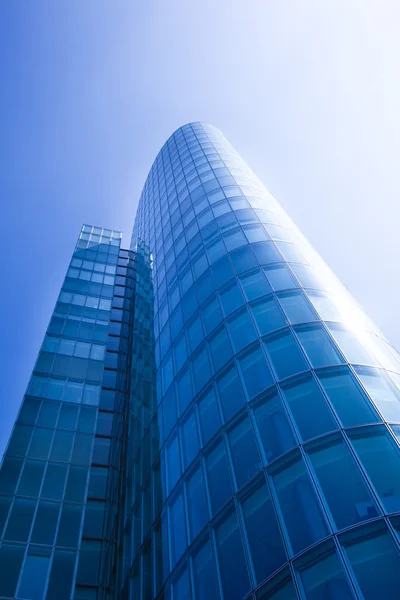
307 91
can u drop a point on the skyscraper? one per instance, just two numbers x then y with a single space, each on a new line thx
211 415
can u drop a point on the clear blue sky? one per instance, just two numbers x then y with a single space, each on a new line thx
308 92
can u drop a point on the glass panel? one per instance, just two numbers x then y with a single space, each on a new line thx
268 315
70 524
34 576
54 481
376 565
62 571
219 480
323 304
255 285
306 400
221 350
231 393
177 529
335 469
31 478
300 508
280 278
46 521
196 503
232 564
382 391
190 443
94 516
173 462
231 299
256 373
348 399
318 346
265 541
273 426
285 354
351 345
89 561
324 579
380 456
296 307
10 564
204 574
244 452
242 331
20 520
209 417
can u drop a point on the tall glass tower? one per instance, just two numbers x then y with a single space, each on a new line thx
211 416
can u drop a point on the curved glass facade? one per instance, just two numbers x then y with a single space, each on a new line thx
271 464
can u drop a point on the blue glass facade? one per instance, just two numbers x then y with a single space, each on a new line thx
211 416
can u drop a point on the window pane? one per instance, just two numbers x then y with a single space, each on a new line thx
221 350
351 345
242 331
70 524
204 574
209 417
326 308
255 285
265 541
296 307
280 278
196 503
244 451
89 560
231 393
324 579
46 520
190 443
31 478
255 371
62 571
305 398
231 298
336 470
285 354
318 346
380 456
94 515
219 480
348 399
34 575
300 508
268 315
273 426
376 564
232 564
54 481
382 391
177 529
10 564
20 521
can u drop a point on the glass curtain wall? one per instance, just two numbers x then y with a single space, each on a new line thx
277 473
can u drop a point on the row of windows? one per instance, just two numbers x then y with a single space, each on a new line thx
320 574
64 415
53 481
88 301
101 231
58 445
64 389
73 348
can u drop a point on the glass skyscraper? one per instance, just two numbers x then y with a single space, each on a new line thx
211 416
